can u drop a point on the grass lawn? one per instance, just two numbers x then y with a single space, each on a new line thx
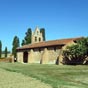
54 75
17 80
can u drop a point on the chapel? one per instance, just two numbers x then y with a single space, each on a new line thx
43 52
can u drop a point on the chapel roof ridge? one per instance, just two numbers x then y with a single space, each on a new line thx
49 43
65 39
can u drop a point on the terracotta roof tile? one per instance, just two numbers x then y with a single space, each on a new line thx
48 43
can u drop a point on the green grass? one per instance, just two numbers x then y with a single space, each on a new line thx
17 80
54 75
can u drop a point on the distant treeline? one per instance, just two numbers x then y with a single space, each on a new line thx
3 52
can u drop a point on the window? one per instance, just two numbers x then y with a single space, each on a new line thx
39 39
35 39
37 32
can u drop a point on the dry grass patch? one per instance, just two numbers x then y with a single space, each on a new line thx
18 80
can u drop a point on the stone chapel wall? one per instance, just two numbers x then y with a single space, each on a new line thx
20 57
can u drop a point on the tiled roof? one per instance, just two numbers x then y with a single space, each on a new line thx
48 43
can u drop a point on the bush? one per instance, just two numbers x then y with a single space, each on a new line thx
76 54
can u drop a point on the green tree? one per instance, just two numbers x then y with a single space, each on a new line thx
0 49
15 44
23 42
27 38
77 53
6 52
42 30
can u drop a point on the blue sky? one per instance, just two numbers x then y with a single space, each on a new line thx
60 18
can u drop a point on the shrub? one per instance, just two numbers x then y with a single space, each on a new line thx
76 54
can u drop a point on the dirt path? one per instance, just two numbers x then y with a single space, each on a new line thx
17 80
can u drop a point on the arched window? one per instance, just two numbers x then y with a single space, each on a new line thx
35 39
39 39
37 33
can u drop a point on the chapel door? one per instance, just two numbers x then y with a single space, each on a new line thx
25 57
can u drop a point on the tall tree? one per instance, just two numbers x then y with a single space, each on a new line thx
6 51
16 43
0 49
42 30
27 38
23 42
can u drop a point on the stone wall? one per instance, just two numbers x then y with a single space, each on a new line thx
10 59
31 58
38 55
20 57
47 55
50 55
44 55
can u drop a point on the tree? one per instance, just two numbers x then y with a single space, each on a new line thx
15 44
0 48
77 53
42 30
23 42
6 52
27 38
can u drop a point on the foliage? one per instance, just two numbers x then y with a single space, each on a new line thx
42 30
0 48
6 51
56 76
77 53
27 38
3 52
23 42
15 44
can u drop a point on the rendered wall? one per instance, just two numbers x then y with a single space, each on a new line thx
50 55
20 57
